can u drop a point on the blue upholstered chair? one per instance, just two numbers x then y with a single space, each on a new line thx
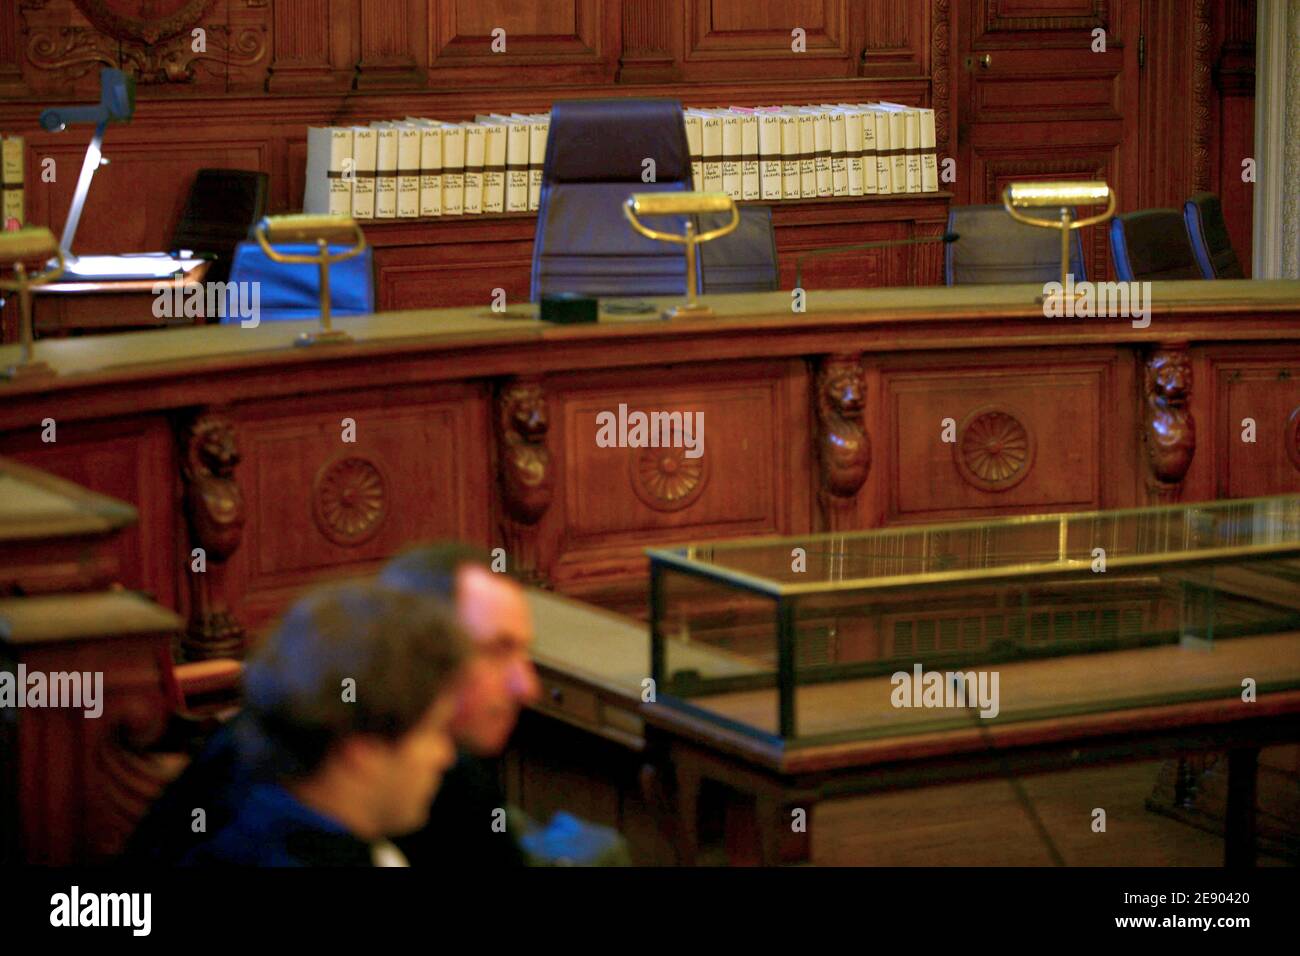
292 292
1209 235
594 160
1152 245
993 248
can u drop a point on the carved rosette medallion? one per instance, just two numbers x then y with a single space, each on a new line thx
666 480
1291 437
349 500
994 449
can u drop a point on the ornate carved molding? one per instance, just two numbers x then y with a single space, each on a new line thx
995 21
527 482
1201 91
170 59
143 21
349 499
1169 432
994 450
843 445
940 69
214 508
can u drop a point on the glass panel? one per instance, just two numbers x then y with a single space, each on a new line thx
719 648
966 625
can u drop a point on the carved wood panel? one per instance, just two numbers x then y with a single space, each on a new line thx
576 40
416 471
130 460
315 45
728 37
1268 395
752 476
1020 441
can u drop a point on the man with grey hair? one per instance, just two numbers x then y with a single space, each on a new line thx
345 732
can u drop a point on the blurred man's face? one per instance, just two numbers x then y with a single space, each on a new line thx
499 677
409 771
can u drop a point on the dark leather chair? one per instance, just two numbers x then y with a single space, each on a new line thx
744 260
994 248
1209 234
594 157
1152 245
223 205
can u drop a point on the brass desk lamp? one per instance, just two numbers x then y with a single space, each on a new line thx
32 244
1063 196
679 204
321 230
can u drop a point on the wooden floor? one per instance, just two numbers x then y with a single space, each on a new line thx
985 824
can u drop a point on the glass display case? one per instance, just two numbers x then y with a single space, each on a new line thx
826 638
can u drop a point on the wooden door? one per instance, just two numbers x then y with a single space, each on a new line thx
1039 99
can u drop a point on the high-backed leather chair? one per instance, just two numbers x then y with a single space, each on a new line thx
994 248
223 205
290 292
595 156
741 261
1152 245
1209 235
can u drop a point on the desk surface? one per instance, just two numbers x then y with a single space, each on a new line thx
889 318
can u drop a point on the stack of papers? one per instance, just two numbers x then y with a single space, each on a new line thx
141 265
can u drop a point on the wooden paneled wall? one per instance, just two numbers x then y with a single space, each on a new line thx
1018 90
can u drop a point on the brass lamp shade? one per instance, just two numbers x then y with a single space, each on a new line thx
323 231
679 204
1063 196
17 249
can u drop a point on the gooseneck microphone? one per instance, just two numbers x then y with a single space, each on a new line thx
879 244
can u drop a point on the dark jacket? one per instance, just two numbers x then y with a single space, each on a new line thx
460 831
272 828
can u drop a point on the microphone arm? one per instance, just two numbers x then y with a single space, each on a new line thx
878 244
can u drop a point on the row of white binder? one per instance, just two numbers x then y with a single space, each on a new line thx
808 152
418 168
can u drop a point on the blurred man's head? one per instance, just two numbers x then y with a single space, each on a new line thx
349 705
493 611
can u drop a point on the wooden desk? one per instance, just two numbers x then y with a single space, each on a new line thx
61 308
482 426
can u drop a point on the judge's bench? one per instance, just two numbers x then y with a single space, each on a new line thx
257 468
